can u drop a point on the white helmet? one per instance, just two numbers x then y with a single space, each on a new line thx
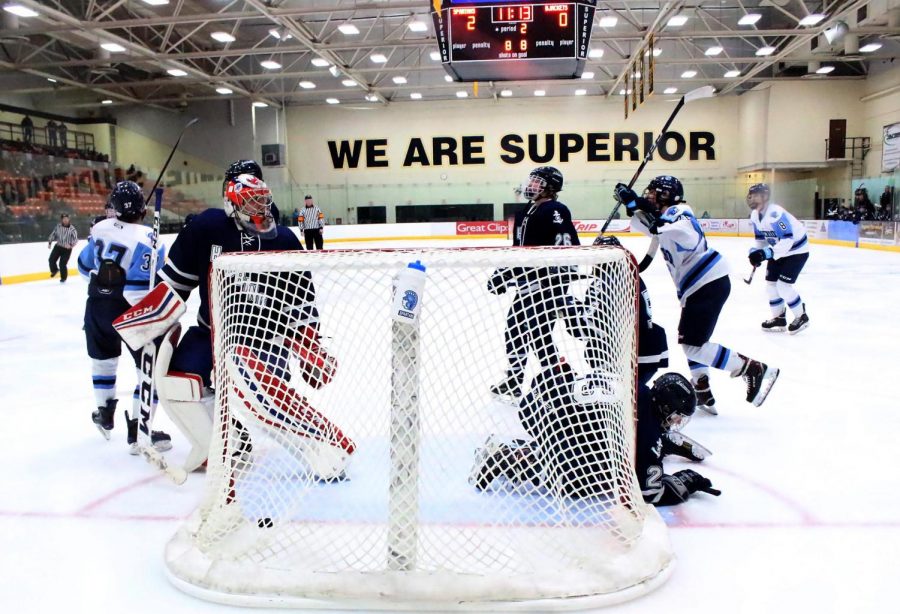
249 201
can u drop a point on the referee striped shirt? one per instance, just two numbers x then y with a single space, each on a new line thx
311 218
65 236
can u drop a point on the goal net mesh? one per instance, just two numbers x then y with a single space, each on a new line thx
481 453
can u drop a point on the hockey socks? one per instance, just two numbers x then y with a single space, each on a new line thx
711 355
103 373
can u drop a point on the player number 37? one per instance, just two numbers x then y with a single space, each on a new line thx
563 238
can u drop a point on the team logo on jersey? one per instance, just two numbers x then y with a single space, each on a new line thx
247 240
557 218
214 252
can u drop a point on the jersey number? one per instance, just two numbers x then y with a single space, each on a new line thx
563 238
114 252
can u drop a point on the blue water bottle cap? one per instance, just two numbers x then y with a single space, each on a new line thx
416 265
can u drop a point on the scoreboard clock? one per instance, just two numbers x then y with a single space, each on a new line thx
490 40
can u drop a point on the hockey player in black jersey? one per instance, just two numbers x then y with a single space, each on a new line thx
539 292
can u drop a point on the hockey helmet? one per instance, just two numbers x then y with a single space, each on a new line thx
673 399
757 188
241 167
666 190
609 240
249 201
542 179
127 199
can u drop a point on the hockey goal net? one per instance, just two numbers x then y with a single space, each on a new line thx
479 455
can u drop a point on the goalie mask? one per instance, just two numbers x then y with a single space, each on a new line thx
544 181
674 400
249 201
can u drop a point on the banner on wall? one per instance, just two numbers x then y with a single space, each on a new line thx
890 152
505 227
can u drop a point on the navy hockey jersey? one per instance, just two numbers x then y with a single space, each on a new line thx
549 223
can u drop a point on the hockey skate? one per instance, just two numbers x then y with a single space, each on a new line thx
801 322
510 389
759 378
705 399
104 418
778 324
679 444
160 441
514 461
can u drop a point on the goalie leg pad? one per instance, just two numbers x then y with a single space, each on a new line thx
150 317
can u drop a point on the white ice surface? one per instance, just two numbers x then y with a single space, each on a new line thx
809 518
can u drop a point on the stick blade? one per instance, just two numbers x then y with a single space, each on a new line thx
707 91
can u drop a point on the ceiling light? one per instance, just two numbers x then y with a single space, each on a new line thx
506 93
448 78
677 20
731 74
623 92
113 47
224 91
595 53
713 51
307 85
462 94
156 2
348 29
349 83
825 70
765 51
371 97
21 11
222 37
335 71
260 105
399 80
417 26
608 22
670 90
587 75
812 19
107 101
689 74
580 92
320 62
435 56
415 96
177 72
332 100
280 34
656 52
637 74
275 33
270 64
378 58
51 80
749 19
540 93
870 47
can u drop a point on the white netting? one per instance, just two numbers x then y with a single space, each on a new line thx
481 456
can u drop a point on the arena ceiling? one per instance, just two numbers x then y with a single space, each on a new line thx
168 53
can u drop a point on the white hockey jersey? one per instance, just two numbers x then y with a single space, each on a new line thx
778 229
129 246
691 262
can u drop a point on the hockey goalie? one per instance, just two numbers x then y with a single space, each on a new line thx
279 329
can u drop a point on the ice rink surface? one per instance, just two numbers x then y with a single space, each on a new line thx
809 518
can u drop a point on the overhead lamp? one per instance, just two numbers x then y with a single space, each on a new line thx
320 62
870 47
371 97
749 19
580 92
349 83
623 92
224 91
677 21
378 58
765 50
435 56
670 90
713 51
348 28
506 93
689 74
448 78
107 101
825 70
51 79
156 2
332 101
657 51
731 74
415 95
19 10
637 74
270 64
462 94
335 71
417 26
307 85
280 34
587 75
595 53
113 47
399 80
222 37
540 93
812 19
260 105
177 72
608 22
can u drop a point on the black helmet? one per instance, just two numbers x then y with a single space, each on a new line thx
610 240
674 399
759 188
541 179
127 199
669 190
241 167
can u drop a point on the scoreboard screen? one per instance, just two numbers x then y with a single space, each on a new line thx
514 40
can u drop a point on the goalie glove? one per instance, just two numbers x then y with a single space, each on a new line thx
150 317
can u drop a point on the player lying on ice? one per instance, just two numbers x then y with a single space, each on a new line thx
284 327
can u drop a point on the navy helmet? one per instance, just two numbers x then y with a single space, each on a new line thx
668 190
541 179
674 399
127 199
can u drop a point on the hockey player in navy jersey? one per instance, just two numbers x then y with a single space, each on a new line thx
701 280
529 324
116 261
782 244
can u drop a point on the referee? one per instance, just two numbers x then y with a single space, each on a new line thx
66 237
312 220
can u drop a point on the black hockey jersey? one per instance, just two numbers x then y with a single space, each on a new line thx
549 223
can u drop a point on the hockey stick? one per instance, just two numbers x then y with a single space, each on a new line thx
752 273
165 166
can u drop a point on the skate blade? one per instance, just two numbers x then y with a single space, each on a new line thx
769 378
162 446
710 409
802 328
775 329
103 431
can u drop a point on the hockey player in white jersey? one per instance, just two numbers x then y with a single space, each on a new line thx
701 280
116 262
781 242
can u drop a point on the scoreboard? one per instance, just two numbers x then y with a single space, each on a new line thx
487 40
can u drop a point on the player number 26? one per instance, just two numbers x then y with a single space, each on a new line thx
563 238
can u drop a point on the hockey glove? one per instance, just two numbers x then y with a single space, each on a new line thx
758 256
626 196
497 284
694 482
